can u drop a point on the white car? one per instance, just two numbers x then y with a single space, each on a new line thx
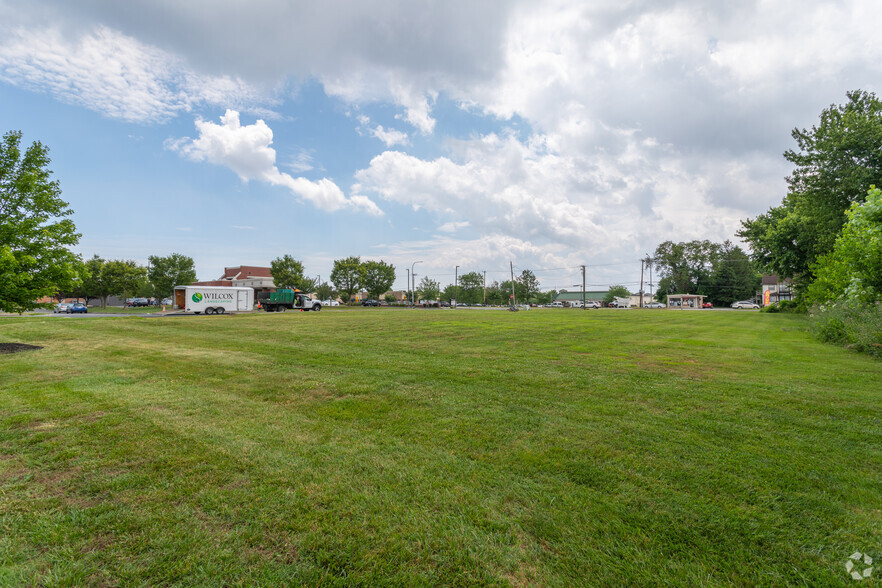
330 303
62 307
655 305
745 304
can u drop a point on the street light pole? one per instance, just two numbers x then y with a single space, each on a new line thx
407 286
455 285
583 288
413 283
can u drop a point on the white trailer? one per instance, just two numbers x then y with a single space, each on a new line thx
214 299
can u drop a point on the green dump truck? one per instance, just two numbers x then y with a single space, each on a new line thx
284 299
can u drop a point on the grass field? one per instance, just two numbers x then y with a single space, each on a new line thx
436 447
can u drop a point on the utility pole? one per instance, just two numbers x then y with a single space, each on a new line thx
641 282
583 288
485 288
513 300
455 285
408 283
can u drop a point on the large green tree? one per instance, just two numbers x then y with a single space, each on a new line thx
165 273
527 287
684 268
116 277
428 289
448 294
347 275
35 259
614 292
495 294
377 277
853 270
733 276
835 163
324 291
471 288
287 272
723 272
94 283
123 276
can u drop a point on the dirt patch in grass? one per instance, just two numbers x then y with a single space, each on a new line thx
17 347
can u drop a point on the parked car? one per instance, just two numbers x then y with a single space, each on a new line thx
745 304
330 303
77 307
445 304
370 302
61 307
140 302
707 305
592 304
655 305
167 302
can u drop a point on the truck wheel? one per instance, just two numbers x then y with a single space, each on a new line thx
316 307
280 308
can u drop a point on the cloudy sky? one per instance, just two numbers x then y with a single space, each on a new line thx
452 133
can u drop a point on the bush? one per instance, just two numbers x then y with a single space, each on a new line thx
852 325
785 306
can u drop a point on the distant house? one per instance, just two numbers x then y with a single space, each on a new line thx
775 290
400 295
257 277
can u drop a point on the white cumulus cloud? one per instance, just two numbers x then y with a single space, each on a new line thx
247 150
390 137
115 74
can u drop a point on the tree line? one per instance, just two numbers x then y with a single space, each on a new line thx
722 272
825 234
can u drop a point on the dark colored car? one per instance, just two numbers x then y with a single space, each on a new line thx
77 307
370 302
140 302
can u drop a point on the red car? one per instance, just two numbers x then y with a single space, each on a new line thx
707 305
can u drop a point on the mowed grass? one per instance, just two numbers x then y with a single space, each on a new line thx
436 447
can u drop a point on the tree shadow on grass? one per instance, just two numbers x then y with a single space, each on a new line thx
16 347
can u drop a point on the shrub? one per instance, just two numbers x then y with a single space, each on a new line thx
852 325
786 306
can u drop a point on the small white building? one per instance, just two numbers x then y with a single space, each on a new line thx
685 301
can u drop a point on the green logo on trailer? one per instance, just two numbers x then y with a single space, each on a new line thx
197 297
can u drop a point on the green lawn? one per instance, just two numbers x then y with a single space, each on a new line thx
436 447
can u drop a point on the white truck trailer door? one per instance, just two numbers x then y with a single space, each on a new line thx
242 300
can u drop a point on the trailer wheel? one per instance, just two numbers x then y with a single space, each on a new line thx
219 310
209 310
